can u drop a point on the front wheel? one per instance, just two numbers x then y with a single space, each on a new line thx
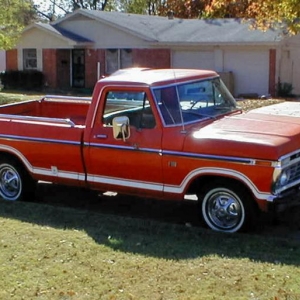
15 182
226 208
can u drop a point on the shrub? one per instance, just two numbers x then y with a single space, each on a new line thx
23 80
284 89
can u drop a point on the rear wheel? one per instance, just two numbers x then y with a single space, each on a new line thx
226 207
15 182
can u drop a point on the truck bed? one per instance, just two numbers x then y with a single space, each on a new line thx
49 108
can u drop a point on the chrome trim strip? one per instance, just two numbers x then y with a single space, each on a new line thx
119 147
59 174
40 140
57 97
208 156
176 153
16 118
125 182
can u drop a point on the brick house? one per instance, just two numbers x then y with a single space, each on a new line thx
75 51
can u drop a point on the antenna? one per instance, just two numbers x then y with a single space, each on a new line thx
178 100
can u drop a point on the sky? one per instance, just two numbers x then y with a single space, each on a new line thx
44 6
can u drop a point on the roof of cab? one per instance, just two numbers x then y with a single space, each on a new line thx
157 76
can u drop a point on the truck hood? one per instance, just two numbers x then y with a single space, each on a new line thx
265 133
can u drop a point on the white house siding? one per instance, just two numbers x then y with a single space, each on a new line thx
193 59
37 38
286 66
295 71
105 36
250 70
289 62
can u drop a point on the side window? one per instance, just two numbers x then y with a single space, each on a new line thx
168 105
132 104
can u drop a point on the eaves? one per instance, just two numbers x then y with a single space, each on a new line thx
217 43
51 30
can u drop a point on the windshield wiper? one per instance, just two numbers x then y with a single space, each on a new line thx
199 114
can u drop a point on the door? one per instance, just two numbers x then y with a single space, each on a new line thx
250 69
78 67
130 164
63 68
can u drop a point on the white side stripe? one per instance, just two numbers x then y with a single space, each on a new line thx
125 182
59 174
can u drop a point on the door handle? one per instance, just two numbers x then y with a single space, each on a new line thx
100 136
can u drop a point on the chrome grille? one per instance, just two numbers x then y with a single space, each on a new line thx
294 173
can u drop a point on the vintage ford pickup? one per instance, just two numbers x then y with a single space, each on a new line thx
164 134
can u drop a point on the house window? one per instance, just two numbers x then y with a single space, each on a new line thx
125 58
29 59
118 59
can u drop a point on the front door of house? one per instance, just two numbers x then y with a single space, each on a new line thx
63 68
78 68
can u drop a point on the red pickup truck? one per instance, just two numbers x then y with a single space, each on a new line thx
163 134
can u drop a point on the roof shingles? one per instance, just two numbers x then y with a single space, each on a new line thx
184 31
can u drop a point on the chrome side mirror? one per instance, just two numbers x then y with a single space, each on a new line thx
121 129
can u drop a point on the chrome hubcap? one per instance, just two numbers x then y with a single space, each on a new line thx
10 183
224 210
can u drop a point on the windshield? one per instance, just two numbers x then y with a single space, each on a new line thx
194 101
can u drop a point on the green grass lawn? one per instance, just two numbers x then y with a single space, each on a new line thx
13 96
51 252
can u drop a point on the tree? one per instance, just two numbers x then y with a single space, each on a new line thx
89 4
57 8
227 9
14 15
266 14
134 6
274 13
185 9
